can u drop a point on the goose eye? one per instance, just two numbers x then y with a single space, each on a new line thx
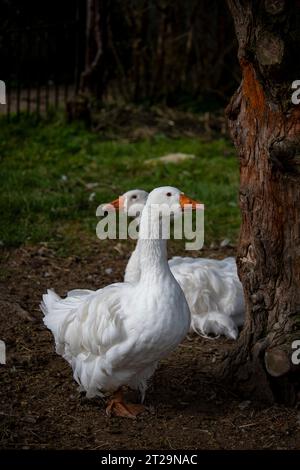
169 194
134 196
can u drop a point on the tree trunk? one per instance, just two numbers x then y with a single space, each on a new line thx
94 75
265 127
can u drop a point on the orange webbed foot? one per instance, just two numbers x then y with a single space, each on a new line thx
117 407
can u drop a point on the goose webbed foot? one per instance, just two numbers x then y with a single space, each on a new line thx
117 407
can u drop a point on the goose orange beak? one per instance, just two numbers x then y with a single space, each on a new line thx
117 204
185 200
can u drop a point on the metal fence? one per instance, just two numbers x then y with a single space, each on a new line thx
41 65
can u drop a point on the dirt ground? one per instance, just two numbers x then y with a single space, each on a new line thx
189 407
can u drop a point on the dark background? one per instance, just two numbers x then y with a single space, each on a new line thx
179 53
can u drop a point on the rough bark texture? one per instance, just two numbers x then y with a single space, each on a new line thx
265 126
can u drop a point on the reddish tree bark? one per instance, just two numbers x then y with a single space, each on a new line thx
265 126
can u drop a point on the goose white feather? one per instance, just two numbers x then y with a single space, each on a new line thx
116 335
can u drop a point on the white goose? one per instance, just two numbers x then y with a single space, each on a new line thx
212 287
115 336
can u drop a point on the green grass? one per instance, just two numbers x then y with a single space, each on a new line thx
47 165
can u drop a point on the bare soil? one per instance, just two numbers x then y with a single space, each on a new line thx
189 406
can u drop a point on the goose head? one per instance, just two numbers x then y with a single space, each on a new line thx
163 205
131 202
169 200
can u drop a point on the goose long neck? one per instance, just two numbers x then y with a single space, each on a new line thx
152 248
